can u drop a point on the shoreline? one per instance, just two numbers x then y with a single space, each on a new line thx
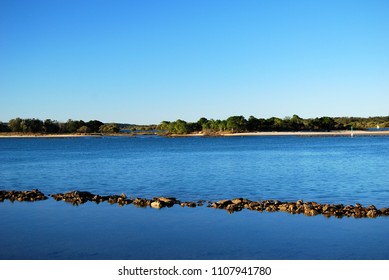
342 133
334 133
313 133
27 135
70 135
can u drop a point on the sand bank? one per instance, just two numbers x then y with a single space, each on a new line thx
311 133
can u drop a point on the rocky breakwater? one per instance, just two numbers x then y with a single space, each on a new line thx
301 207
230 205
32 195
81 197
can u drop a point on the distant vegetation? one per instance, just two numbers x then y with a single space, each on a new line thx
233 124
53 127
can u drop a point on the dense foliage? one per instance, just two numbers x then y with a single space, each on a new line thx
233 124
51 127
295 123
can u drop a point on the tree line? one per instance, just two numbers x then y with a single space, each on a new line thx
49 126
235 124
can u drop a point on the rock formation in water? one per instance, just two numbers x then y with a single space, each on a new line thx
233 205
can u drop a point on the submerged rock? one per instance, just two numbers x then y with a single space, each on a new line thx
166 201
233 205
156 204
141 202
33 195
384 211
188 204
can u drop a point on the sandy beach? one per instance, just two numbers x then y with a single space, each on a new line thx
311 133
334 133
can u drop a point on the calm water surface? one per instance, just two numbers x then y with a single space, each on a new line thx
332 169
323 169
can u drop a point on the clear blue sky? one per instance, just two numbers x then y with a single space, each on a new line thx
146 61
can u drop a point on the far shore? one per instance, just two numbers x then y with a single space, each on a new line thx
28 135
315 133
297 133
65 135
343 133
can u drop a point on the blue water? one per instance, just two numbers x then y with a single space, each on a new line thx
322 169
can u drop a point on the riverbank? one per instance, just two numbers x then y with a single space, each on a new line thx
37 135
313 133
68 135
344 133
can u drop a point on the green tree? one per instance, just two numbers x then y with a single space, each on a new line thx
72 126
236 124
164 126
84 129
94 125
180 127
327 123
50 126
323 123
15 125
203 124
32 125
3 127
109 128
253 124
297 123
275 124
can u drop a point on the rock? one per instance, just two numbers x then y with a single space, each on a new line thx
372 207
359 212
141 202
237 200
156 204
236 204
271 208
299 209
311 212
292 208
188 204
371 213
233 208
283 207
123 196
32 195
252 205
277 202
113 199
384 211
191 204
169 202
223 203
